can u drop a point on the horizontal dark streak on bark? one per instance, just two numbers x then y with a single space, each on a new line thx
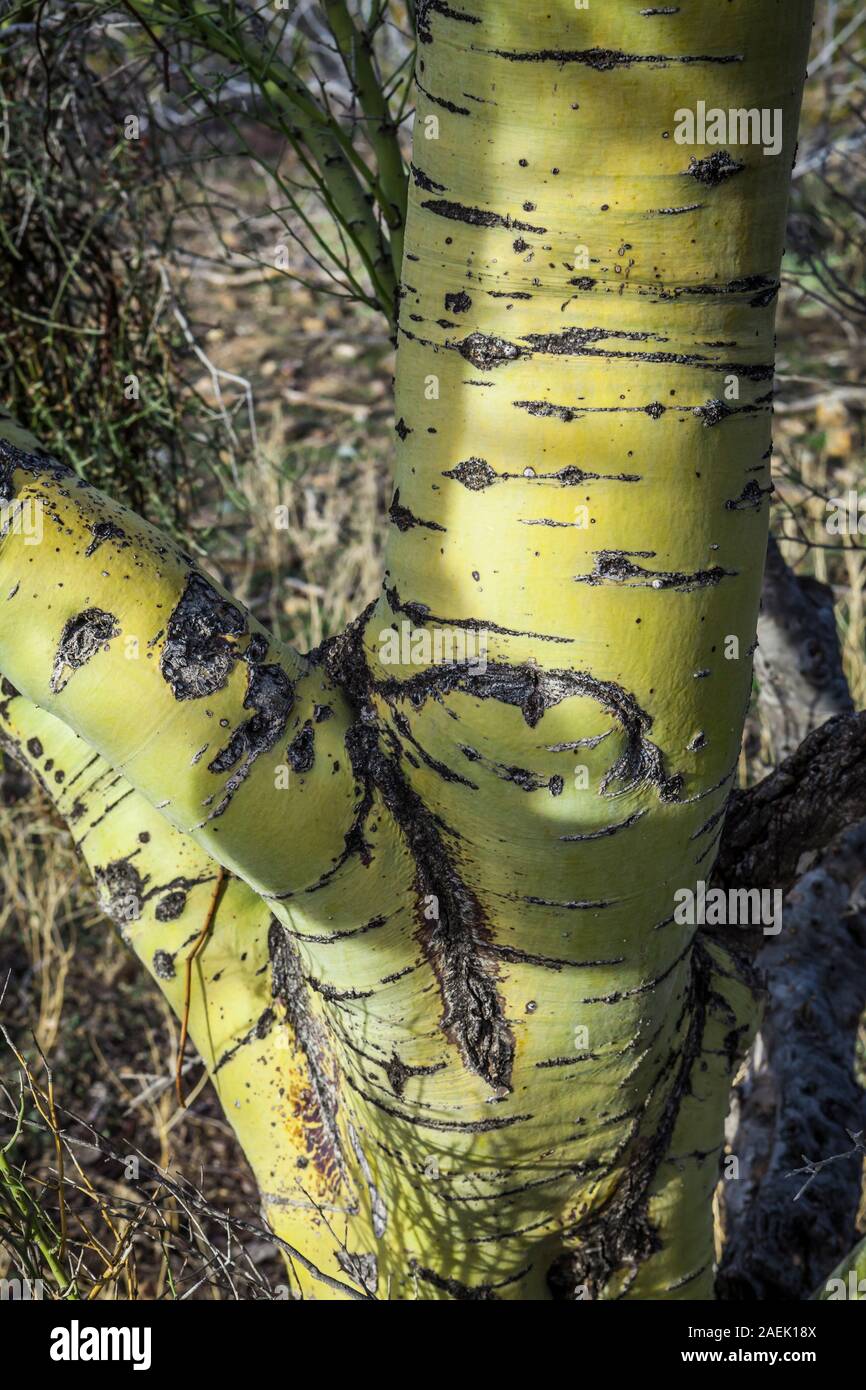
465 1293
518 957
604 831
318 940
497 1236
478 217
575 905
442 102
619 995
450 1126
603 59
617 567
421 616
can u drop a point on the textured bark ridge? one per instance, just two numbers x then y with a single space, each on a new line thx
480 1057
797 663
797 1093
815 794
800 1098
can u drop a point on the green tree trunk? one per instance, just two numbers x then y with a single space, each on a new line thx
465 820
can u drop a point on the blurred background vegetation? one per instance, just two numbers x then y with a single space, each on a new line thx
179 321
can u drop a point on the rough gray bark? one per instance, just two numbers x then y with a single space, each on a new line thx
797 1094
800 678
816 794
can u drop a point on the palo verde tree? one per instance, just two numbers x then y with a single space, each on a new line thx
414 892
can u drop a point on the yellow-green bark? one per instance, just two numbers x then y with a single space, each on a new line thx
157 886
476 861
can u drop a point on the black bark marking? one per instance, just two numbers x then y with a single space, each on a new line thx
319 1105
711 822
533 691
80 640
442 102
399 1072
454 934
715 169
301 752
522 777
403 727
199 654
172 906
13 459
420 615
615 567
606 59
571 341
458 302
424 181
486 351
404 519
556 963
260 1029
424 11
619 1237
163 965
545 410
121 891
442 1126
102 531
477 217
605 830
271 695
456 938
474 473
752 496
761 289
713 413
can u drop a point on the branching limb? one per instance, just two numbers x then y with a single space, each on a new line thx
352 190
356 49
799 1095
107 624
801 683
815 794
161 890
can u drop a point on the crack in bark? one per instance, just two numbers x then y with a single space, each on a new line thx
452 926
319 1103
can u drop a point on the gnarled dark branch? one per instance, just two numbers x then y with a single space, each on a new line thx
812 797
